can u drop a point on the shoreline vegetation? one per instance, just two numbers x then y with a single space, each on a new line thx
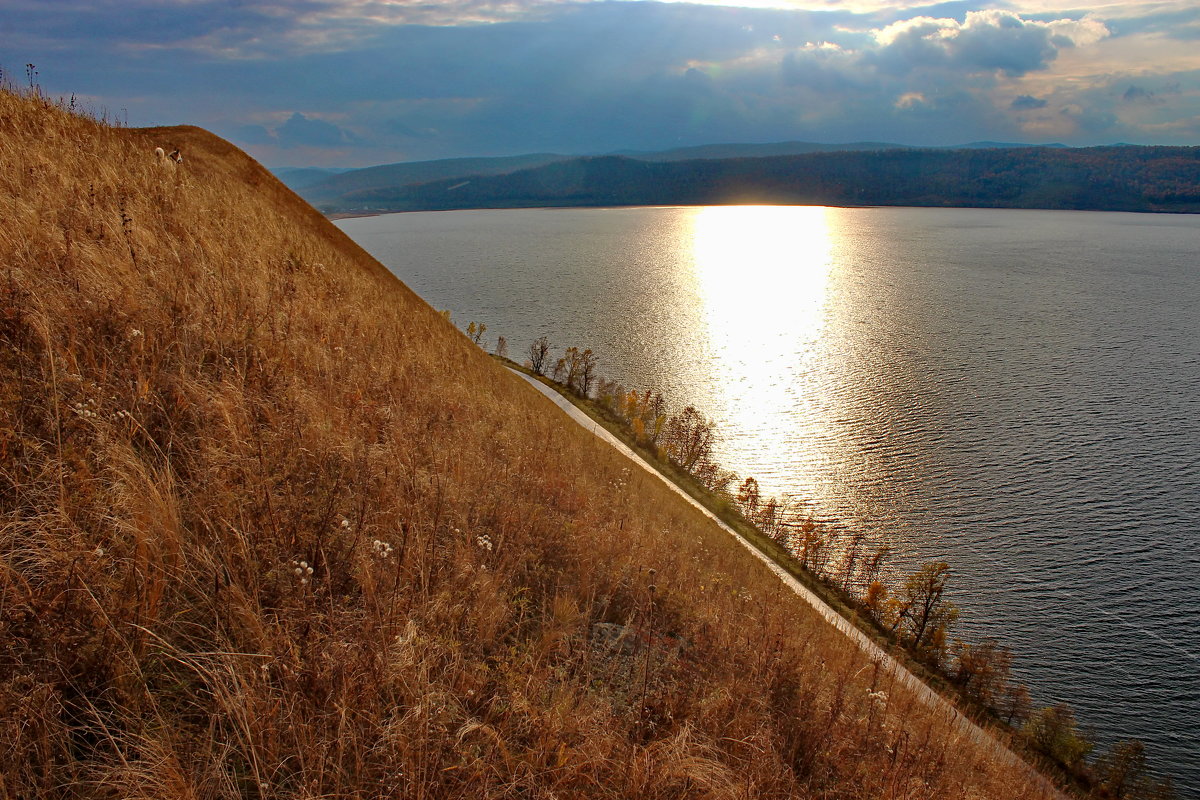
912 621
271 528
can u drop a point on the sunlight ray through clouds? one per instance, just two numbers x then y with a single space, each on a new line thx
408 80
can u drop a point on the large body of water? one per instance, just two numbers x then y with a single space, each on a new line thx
1017 392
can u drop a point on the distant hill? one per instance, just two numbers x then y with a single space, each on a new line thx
1126 178
296 178
343 189
739 150
331 188
999 146
794 149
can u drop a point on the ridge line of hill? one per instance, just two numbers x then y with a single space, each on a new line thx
323 183
1117 178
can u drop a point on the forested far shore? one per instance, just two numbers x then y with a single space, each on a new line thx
1114 178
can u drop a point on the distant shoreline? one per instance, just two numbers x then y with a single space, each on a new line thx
340 215
1153 179
336 215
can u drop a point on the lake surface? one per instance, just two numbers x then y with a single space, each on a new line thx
1016 392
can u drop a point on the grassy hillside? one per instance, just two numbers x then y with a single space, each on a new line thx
271 528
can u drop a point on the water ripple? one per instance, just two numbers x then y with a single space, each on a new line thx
1017 392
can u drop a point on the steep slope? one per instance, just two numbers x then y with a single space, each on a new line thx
271 527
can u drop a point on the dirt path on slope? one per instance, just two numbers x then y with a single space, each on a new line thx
897 671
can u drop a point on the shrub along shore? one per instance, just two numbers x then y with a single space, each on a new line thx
913 619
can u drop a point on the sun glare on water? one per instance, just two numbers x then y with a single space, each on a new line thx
757 266
763 276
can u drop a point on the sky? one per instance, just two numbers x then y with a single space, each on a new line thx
358 82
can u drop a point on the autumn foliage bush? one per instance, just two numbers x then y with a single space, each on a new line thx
270 527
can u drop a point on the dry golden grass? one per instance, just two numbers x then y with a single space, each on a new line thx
203 384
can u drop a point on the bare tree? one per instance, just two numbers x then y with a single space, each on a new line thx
587 372
539 351
813 552
580 366
923 614
876 600
748 496
570 362
773 515
850 558
1015 704
874 565
656 407
1123 772
690 438
610 394
1052 731
982 670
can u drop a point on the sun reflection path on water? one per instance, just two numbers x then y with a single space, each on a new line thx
763 276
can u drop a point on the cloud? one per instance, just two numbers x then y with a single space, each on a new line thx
824 67
911 100
252 135
402 129
985 41
252 28
366 81
1172 19
302 131
1091 120
1025 102
1137 94
994 40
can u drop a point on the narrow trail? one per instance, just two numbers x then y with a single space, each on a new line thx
894 669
